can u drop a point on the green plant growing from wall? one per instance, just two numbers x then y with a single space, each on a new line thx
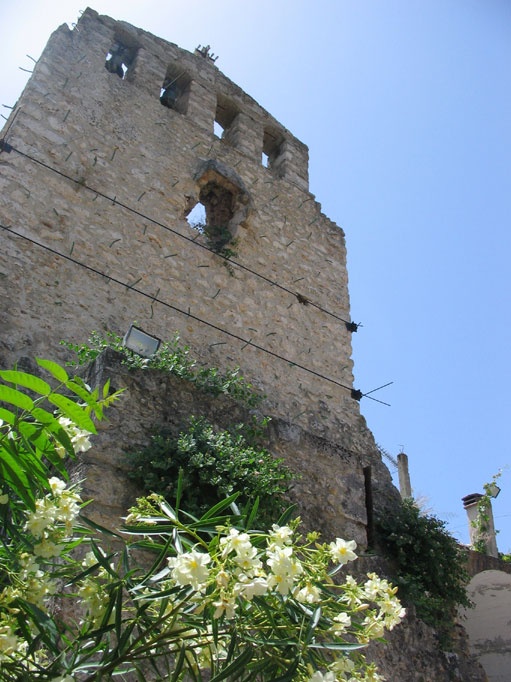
219 601
171 357
213 464
430 566
482 523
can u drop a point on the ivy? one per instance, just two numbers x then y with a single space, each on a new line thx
171 357
482 524
213 465
430 565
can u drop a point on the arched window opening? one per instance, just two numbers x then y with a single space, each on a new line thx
218 204
197 218
219 207
120 59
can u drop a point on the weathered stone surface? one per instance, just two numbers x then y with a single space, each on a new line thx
94 200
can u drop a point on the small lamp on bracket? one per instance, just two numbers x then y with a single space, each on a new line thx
140 342
493 490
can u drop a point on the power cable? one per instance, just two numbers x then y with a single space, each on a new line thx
350 326
355 394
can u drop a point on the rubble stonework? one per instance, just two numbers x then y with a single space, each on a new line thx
128 170
117 138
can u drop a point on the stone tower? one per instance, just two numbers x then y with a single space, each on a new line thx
117 141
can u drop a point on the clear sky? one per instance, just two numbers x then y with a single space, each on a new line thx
406 108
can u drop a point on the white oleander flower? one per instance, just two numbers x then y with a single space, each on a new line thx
341 623
323 677
285 568
342 664
57 486
47 549
225 605
309 594
237 542
280 535
81 442
251 587
374 627
39 588
190 569
42 518
8 640
342 551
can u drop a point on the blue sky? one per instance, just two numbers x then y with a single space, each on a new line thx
406 108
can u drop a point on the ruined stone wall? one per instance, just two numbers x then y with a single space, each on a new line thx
328 490
103 212
97 179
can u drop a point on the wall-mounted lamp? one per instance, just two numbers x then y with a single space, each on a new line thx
493 490
138 341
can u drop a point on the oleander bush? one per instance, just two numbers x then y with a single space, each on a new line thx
214 599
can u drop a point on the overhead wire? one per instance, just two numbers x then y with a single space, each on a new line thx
350 325
154 298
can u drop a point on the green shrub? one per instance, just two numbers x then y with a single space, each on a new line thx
214 465
171 357
429 563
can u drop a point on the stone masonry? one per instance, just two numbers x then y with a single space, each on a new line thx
116 142
115 176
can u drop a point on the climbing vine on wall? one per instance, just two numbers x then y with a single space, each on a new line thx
481 523
430 565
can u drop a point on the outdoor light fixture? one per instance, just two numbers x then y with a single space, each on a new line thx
138 341
493 490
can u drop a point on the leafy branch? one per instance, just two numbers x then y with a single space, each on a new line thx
172 357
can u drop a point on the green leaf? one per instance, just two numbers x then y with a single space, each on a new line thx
17 398
289 675
26 380
54 369
14 475
313 624
232 668
251 515
70 409
336 647
220 506
44 623
168 511
7 416
179 664
78 387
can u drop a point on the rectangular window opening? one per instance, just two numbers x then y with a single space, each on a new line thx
226 112
218 129
272 148
119 59
175 90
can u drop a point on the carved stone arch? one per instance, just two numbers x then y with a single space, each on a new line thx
225 199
